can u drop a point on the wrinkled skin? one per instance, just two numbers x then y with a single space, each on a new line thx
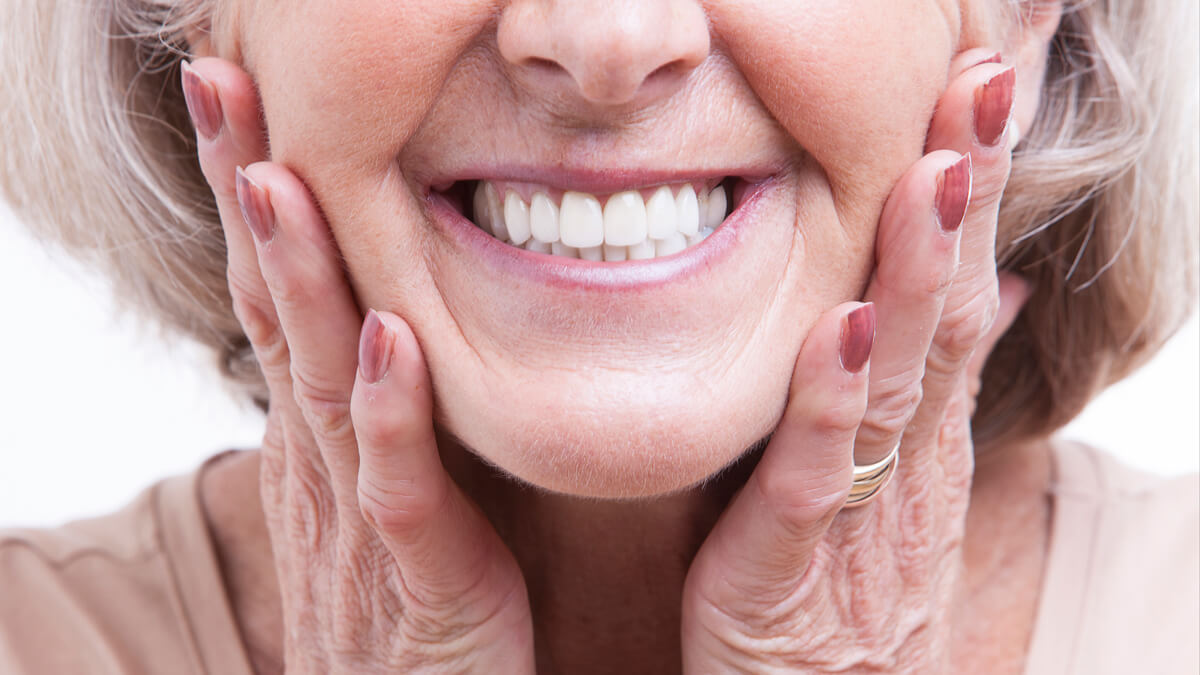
385 561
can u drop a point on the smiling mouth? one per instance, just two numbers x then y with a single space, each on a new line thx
636 224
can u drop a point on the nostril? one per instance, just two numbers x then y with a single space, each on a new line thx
613 53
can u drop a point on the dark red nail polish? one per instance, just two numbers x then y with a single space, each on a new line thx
953 194
256 207
858 336
374 349
993 105
202 102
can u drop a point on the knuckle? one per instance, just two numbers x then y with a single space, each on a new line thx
937 280
393 427
263 331
893 405
801 501
839 420
254 312
326 408
398 507
958 333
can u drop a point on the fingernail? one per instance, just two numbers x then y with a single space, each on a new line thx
256 207
374 349
858 336
202 102
953 194
993 105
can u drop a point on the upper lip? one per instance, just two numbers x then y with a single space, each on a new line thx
594 180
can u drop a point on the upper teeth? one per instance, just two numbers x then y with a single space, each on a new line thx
626 227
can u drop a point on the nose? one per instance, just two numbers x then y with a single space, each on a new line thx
608 52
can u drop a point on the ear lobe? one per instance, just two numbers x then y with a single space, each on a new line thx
1028 50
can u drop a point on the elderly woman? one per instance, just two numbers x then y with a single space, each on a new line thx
657 336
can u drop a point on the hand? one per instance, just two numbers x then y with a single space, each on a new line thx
787 581
383 563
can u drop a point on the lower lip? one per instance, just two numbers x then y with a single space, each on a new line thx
572 273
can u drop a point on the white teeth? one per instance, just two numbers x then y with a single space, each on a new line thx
643 250
660 214
716 208
700 236
559 248
482 218
687 211
672 244
595 253
539 246
543 219
516 218
495 213
615 253
580 220
624 219
625 228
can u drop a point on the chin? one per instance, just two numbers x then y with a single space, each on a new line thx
671 434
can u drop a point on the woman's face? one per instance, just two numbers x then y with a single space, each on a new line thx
604 378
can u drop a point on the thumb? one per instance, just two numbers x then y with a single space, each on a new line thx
763 543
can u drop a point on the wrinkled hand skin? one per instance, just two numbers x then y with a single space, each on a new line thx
386 566
788 581
383 564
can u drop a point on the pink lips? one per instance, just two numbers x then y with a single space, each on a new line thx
561 272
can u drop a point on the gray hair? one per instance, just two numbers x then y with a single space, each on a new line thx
98 156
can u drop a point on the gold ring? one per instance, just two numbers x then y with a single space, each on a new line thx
870 479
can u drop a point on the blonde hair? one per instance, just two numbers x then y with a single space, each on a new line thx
1100 213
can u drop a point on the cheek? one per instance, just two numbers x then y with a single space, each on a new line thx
345 83
854 83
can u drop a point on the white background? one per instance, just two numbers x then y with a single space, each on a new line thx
93 408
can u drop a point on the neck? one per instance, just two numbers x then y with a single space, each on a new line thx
605 578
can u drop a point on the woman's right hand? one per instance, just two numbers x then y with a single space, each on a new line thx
384 565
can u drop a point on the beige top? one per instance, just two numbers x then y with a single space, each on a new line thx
139 591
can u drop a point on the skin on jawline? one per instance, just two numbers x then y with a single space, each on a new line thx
652 388
834 99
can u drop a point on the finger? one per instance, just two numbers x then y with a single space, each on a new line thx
763 543
973 115
917 252
1013 292
223 104
446 550
317 313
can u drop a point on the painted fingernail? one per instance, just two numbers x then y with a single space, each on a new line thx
953 194
203 103
374 349
993 105
256 207
858 336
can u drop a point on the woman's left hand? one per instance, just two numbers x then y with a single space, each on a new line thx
787 581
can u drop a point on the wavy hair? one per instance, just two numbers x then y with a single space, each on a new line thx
97 155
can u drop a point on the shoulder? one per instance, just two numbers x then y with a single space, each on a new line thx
117 594
1128 501
1122 585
